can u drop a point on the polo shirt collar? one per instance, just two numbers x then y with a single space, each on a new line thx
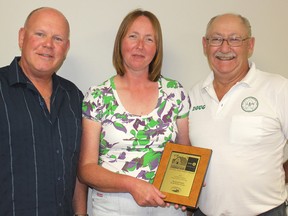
247 80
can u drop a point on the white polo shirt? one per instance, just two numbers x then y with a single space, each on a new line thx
247 131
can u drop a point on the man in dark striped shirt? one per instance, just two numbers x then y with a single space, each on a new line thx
40 123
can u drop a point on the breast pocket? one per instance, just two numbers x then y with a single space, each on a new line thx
246 130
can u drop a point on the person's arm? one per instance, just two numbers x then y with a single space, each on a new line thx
90 173
183 131
80 199
285 166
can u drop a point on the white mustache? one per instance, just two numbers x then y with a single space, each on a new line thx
221 55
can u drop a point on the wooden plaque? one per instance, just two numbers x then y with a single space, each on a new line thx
181 173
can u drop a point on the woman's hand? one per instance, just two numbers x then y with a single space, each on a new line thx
145 194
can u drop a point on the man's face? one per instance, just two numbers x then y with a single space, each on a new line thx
226 59
44 42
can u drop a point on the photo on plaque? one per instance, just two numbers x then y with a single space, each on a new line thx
181 173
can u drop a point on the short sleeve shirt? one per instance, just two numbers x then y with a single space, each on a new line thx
132 144
247 131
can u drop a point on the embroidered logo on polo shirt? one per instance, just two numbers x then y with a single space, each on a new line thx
200 107
249 104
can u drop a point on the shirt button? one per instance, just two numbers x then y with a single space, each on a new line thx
59 178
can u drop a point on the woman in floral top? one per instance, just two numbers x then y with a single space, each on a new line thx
128 119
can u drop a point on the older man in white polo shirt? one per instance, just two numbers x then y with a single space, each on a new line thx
241 113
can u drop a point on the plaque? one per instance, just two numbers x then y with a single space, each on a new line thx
181 172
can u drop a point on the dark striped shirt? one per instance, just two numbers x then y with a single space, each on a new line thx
38 150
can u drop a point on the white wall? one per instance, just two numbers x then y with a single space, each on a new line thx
94 24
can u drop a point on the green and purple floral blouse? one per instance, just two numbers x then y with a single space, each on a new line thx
132 144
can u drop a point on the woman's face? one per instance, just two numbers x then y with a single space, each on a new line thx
139 45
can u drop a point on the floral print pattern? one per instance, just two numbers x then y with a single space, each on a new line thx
132 144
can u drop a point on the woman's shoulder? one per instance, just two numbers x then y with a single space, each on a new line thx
103 85
170 83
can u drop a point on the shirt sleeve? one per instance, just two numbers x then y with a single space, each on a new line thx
92 104
181 97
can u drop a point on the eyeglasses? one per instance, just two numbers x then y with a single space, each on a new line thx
232 41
